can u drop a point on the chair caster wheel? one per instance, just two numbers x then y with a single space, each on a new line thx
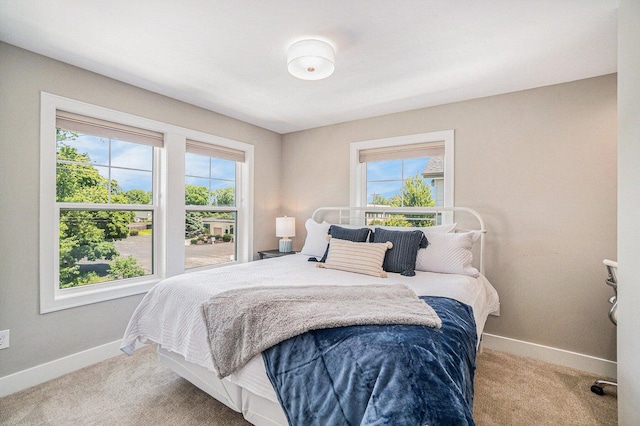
597 390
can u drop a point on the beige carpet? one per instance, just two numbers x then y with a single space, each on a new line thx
137 390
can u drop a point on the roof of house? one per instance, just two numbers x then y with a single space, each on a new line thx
434 167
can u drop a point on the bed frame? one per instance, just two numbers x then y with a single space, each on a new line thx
264 412
368 216
256 409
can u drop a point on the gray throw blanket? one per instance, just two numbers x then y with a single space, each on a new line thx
242 323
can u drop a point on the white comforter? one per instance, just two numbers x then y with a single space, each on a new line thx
170 314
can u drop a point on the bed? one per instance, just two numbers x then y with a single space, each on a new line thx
171 315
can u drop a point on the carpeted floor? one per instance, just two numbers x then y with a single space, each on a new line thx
137 390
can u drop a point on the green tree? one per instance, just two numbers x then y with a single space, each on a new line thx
193 224
224 196
197 195
379 200
74 170
85 233
201 196
125 267
415 193
137 196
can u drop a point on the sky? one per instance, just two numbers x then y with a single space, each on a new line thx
131 164
385 178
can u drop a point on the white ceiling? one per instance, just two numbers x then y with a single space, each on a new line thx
229 56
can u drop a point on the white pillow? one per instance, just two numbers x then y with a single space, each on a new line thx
316 242
361 258
448 253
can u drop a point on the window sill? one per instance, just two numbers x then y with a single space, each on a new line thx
58 300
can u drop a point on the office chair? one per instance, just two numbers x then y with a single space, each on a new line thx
612 280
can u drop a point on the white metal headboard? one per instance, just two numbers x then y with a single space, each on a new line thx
358 216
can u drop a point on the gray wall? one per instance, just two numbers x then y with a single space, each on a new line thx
35 338
628 207
540 166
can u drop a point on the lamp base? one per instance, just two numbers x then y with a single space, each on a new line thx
284 246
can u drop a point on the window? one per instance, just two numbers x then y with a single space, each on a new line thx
210 180
104 200
406 171
113 216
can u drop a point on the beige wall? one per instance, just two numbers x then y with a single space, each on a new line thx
540 166
35 338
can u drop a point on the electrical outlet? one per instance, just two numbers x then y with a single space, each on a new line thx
4 339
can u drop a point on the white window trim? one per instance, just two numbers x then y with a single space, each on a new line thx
358 171
169 205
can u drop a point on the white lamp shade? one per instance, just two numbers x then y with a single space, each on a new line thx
285 226
311 59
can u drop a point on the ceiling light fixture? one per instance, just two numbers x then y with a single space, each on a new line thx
311 59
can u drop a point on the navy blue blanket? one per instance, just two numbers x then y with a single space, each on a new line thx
379 375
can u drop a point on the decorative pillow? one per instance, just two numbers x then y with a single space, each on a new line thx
316 242
361 258
402 257
448 254
357 235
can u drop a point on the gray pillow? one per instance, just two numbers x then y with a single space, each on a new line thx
402 256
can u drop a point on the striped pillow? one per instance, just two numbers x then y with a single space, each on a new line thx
358 235
402 257
361 258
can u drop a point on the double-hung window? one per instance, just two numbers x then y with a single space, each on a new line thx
405 171
211 215
126 201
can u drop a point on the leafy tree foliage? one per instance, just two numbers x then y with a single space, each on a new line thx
74 173
137 196
202 196
224 196
193 224
85 234
197 195
415 193
125 267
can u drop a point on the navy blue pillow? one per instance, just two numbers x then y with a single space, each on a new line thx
358 235
402 256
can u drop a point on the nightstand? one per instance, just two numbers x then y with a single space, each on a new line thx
265 254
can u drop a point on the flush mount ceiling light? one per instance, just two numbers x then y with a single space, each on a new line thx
311 59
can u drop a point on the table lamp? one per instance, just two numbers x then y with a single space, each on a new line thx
285 228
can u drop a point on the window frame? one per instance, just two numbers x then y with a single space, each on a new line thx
168 204
213 208
358 170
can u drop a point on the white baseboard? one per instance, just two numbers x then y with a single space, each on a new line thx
598 366
41 373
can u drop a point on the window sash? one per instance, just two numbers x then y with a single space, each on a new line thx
233 232
60 207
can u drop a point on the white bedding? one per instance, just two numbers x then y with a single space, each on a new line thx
170 313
